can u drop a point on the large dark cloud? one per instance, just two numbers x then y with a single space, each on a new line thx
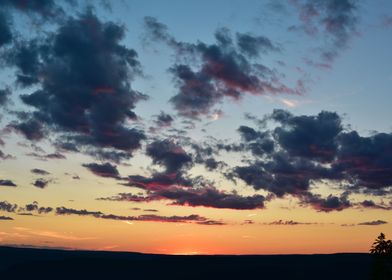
175 185
308 136
103 170
282 174
224 69
90 105
290 153
367 161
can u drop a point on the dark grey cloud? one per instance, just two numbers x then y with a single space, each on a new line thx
168 154
328 204
151 210
159 180
103 170
205 153
157 31
308 136
6 218
45 157
127 197
253 46
43 8
173 184
34 207
209 197
212 164
4 93
282 174
212 223
373 223
91 105
224 71
7 183
367 161
334 21
196 197
8 207
368 203
146 218
5 30
164 120
39 171
83 212
248 133
41 183
289 153
32 129
175 161
257 142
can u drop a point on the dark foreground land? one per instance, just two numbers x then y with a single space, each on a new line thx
43 263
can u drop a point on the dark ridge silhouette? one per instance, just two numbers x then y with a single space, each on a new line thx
53 263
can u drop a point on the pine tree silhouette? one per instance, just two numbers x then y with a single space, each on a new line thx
381 246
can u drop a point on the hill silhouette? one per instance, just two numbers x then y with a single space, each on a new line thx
51 263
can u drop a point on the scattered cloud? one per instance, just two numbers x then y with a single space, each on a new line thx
146 218
41 183
196 197
78 104
333 22
288 223
227 70
103 170
7 183
373 223
6 218
39 171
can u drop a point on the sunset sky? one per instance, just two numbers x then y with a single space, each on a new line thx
196 127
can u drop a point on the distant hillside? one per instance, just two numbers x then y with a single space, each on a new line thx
33 263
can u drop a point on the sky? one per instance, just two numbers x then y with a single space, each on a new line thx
196 127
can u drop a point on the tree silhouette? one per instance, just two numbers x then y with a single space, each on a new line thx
381 246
